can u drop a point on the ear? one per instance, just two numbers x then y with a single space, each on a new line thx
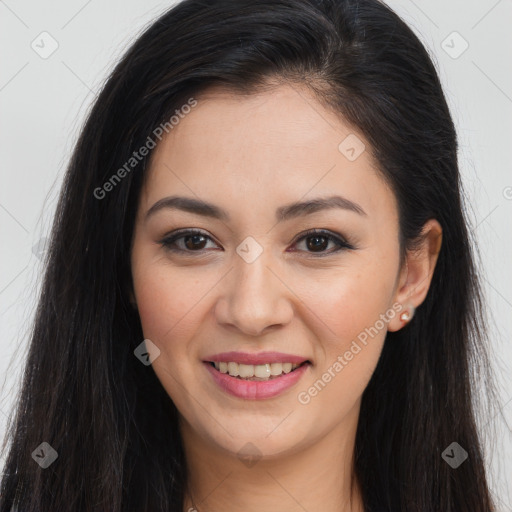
416 274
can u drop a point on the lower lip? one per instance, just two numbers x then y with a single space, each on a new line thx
256 390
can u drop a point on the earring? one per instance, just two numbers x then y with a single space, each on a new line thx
406 316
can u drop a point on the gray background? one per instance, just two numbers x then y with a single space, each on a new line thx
43 99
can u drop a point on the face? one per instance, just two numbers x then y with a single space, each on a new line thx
252 280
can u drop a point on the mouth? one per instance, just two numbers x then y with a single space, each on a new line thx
256 373
256 381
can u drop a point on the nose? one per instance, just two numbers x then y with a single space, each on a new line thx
254 298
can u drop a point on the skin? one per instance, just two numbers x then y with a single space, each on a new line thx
250 155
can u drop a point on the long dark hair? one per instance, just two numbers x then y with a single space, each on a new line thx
107 416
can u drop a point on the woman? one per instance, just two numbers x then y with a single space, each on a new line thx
260 292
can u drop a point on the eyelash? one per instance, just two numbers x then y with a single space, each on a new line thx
342 243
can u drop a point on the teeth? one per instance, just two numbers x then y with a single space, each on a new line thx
233 369
255 372
246 370
287 367
276 369
262 371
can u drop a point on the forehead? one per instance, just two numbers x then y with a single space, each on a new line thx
280 145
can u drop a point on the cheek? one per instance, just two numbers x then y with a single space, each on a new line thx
164 317
348 303
172 303
351 305
346 359
163 300
167 305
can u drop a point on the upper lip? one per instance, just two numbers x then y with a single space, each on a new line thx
256 358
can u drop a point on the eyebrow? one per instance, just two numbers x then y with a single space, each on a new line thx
284 213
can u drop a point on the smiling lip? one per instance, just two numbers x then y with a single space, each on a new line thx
255 359
256 390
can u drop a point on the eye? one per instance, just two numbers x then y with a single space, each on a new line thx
317 240
192 241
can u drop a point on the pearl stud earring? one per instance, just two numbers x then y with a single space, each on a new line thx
406 315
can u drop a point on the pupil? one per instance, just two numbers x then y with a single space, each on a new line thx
195 241
317 245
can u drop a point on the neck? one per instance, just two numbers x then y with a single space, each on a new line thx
316 477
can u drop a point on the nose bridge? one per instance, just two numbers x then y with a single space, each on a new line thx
256 299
